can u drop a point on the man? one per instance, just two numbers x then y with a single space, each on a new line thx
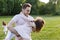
17 20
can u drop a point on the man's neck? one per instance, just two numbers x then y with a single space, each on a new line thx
24 14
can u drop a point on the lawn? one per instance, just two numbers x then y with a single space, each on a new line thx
50 31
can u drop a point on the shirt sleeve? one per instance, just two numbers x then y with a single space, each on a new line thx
13 20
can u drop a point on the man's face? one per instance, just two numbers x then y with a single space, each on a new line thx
27 11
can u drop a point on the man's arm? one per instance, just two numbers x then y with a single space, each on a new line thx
9 26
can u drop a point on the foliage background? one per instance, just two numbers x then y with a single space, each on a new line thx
12 7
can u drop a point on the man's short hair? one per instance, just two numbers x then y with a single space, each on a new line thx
26 5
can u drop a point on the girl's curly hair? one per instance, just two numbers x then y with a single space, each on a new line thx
39 22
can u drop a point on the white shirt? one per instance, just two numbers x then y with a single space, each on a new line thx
19 20
22 27
24 31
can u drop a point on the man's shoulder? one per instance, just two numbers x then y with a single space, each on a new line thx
17 15
31 16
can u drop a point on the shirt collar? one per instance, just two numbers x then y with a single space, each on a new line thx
23 14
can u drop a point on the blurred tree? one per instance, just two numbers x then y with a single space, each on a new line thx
10 7
55 5
3 7
51 6
58 7
17 6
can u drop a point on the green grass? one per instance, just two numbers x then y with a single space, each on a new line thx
51 30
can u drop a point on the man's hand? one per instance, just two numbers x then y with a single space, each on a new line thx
19 38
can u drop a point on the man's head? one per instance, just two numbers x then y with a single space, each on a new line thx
26 8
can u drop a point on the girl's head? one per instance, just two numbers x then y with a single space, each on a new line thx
39 22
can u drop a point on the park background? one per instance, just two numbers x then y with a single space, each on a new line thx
49 11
